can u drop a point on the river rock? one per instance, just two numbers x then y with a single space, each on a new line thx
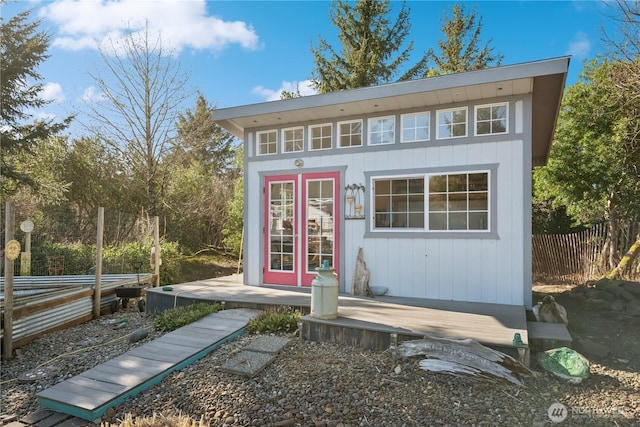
138 335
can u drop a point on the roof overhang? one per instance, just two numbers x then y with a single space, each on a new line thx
544 79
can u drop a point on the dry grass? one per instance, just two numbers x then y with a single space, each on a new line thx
207 265
158 420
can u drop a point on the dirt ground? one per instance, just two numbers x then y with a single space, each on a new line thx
618 332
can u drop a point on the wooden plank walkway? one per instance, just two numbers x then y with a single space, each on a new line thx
491 324
90 394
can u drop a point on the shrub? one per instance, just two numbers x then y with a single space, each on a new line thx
118 260
282 319
173 319
78 258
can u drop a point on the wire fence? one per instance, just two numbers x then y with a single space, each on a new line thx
63 242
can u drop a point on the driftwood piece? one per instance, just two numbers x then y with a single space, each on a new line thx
360 275
464 356
550 311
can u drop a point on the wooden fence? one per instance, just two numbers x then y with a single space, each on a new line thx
577 257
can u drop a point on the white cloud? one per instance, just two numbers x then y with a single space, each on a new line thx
274 94
580 46
52 92
91 95
85 24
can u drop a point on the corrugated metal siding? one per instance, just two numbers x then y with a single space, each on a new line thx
66 312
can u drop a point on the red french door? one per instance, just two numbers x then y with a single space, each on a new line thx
301 226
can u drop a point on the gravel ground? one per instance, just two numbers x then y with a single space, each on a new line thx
312 384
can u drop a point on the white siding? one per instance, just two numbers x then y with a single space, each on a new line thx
483 270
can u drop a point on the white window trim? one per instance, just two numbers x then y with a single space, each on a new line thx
373 120
475 117
284 140
310 138
264 132
421 113
466 124
339 136
426 177
372 204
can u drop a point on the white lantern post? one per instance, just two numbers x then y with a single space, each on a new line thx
25 257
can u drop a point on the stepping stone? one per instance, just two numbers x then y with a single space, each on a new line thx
255 356
248 363
267 344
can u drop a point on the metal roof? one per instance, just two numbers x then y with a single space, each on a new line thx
543 79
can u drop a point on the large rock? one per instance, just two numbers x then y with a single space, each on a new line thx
628 296
617 306
633 287
601 294
632 309
592 348
138 335
596 304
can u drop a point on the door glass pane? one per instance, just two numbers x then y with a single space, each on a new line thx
281 226
320 217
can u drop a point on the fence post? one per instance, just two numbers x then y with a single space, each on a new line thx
97 289
156 255
7 344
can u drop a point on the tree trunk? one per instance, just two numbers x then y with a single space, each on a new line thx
626 260
613 233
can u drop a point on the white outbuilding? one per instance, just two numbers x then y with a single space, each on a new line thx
430 177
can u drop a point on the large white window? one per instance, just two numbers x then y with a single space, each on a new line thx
459 201
415 127
350 133
293 139
399 203
492 119
382 130
267 142
452 123
320 137
432 202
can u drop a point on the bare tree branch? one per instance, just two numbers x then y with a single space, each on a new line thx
142 87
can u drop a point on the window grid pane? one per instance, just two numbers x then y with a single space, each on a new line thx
293 140
399 203
459 202
321 137
267 142
281 226
491 119
382 131
350 134
452 123
415 127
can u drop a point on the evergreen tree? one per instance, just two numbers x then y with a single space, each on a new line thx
201 140
369 47
22 49
201 180
234 224
461 49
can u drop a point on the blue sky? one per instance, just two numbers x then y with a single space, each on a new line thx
245 52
